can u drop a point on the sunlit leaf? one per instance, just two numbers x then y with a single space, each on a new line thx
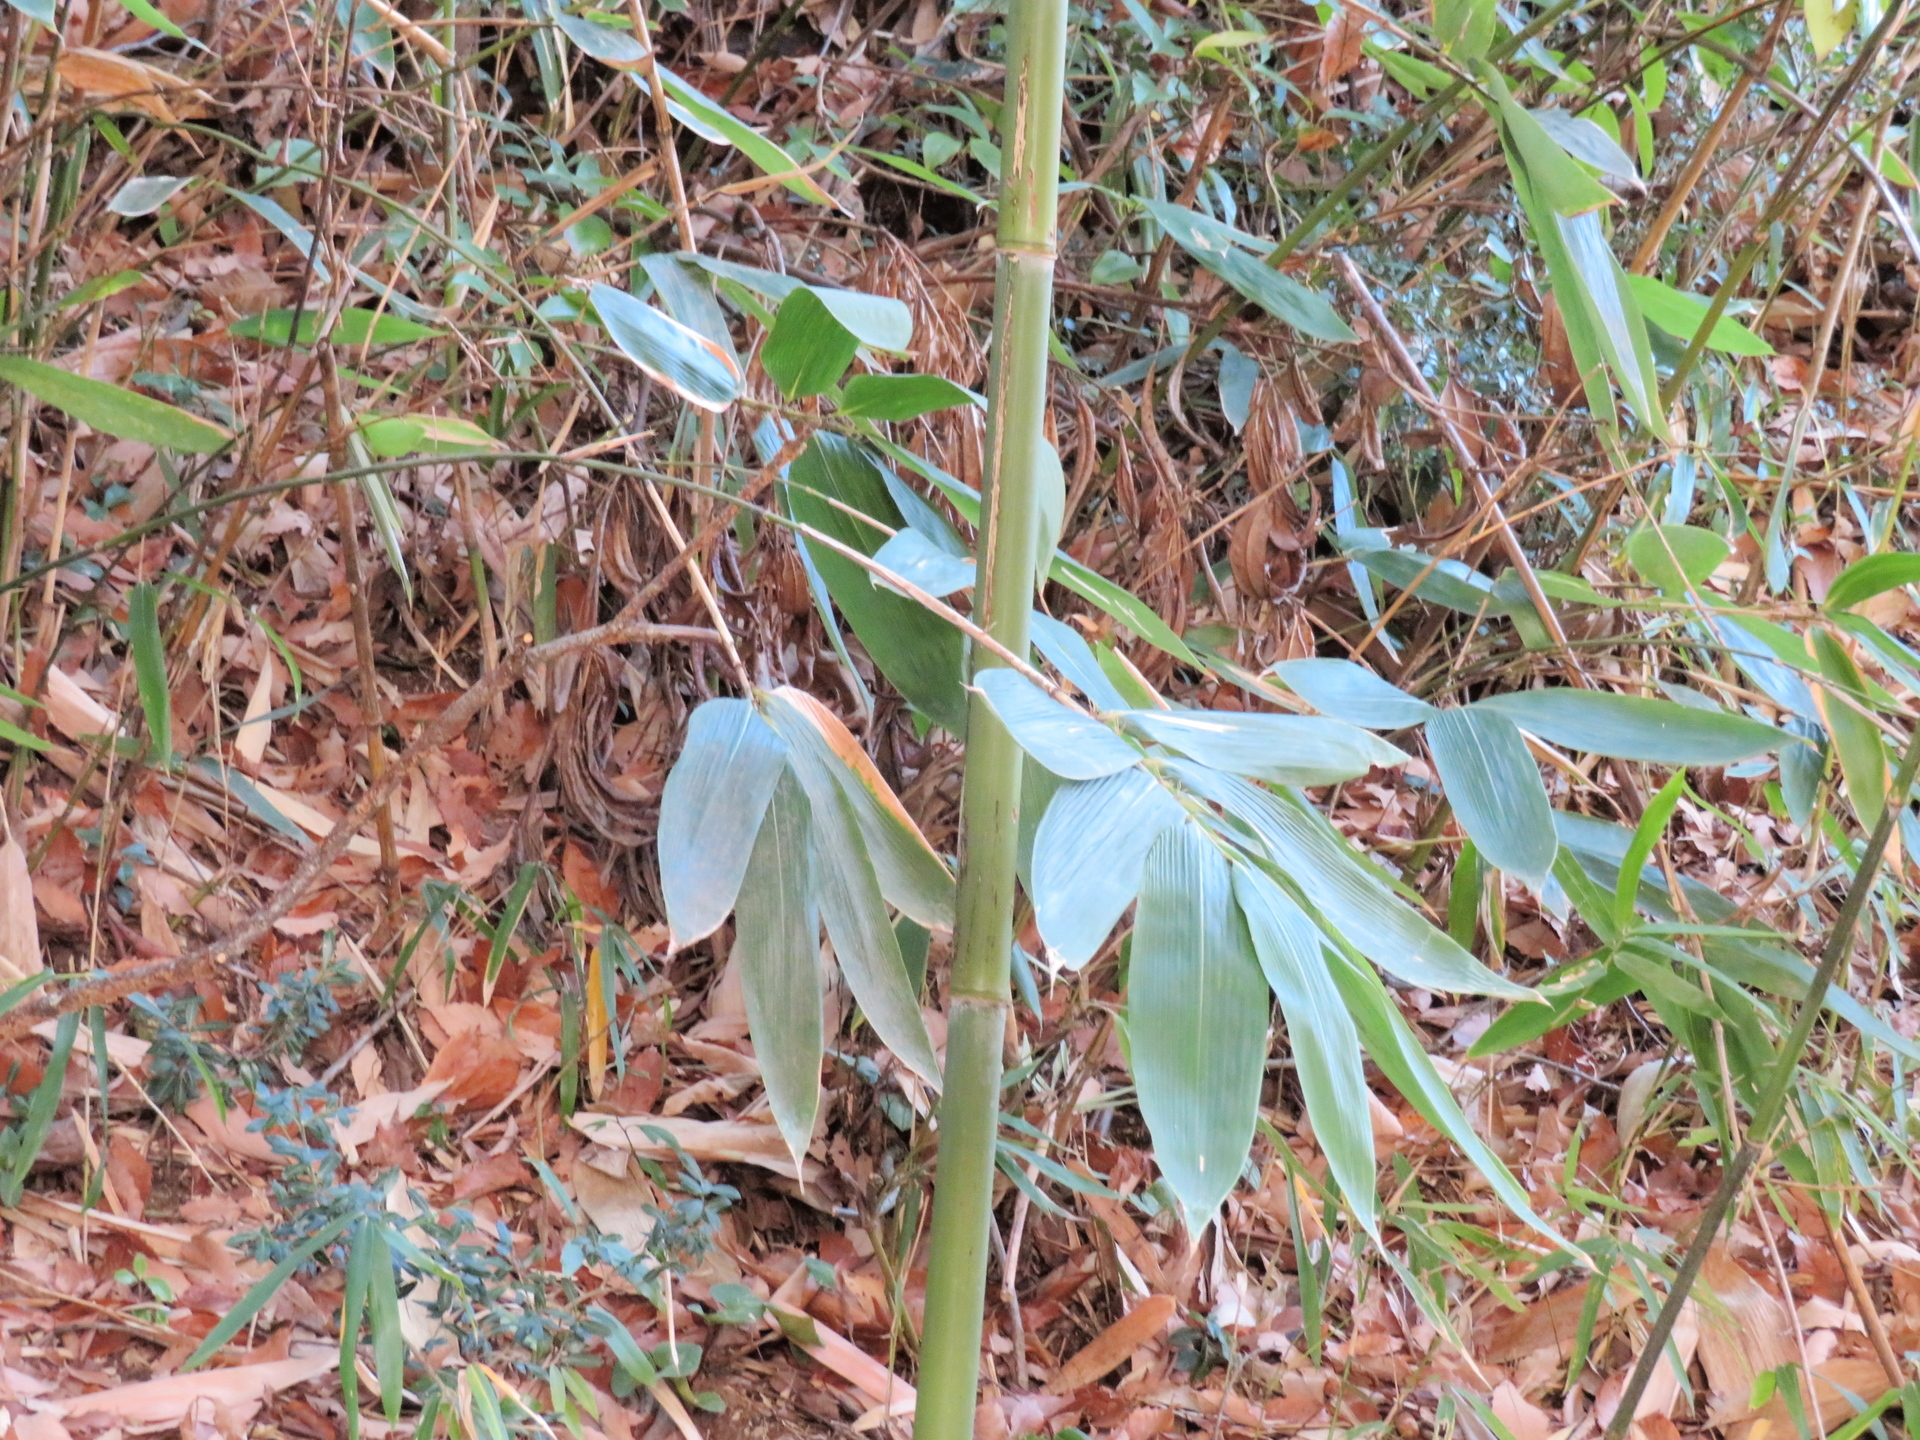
1088 856
710 812
1493 784
1633 727
683 360
1284 749
1072 745
1353 693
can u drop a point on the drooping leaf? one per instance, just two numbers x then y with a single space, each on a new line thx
1633 727
1353 693
150 668
850 901
1088 855
1197 1021
924 565
614 45
352 327
1070 654
1233 256
113 409
710 812
1856 738
808 350
1325 1044
1871 576
1680 314
1072 745
1673 557
912 877
1586 142
1494 787
1351 898
1285 749
679 358
902 397
831 484
777 944
713 121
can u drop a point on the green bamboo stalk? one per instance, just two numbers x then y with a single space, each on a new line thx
979 1004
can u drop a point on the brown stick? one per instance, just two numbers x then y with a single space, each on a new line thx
204 959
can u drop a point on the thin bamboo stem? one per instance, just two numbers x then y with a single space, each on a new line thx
979 1007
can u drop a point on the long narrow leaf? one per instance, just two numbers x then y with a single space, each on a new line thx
710 811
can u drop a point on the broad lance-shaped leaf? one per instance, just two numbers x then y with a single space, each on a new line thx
1088 856
114 410
1196 1021
683 360
777 943
1391 1044
1353 693
829 487
1856 739
710 812
1233 255
913 878
1072 745
1494 786
1351 900
1875 574
1636 727
849 891
1326 1047
1285 749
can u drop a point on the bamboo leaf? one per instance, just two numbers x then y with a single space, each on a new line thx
902 397
829 487
1856 739
1680 314
392 436
851 902
1672 557
145 194
1646 835
710 812
1464 28
1233 256
383 1316
114 410
1353 693
1197 1013
353 1303
1325 1044
777 943
1871 576
1351 900
1068 653
692 107
913 878
20 1144
508 924
1285 749
1494 787
150 668
264 1289
924 565
1633 727
351 327
808 350
1072 745
681 359
1088 856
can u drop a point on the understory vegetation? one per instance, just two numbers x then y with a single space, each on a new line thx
977 718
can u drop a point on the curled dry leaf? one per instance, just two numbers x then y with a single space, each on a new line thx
121 82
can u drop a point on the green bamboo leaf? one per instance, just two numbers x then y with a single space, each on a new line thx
1871 576
1856 739
681 359
384 511
614 45
777 943
1352 900
1284 749
1072 745
1494 787
1070 654
713 121
808 350
26 740
1673 557
830 486
1325 1044
150 668
145 194
1646 835
351 327
353 1302
913 878
1632 727
1197 1013
1353 693
383 1319
919 562
1464 28
1129 609
1680 314
1233 256
41 10
710 812
508 924
1391 1044
113 409
392 436
851 902
1586 142
20 1144
1443 582
241 1315
1088 856
902 397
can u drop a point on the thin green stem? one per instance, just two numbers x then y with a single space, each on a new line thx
1772 1105
990 791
